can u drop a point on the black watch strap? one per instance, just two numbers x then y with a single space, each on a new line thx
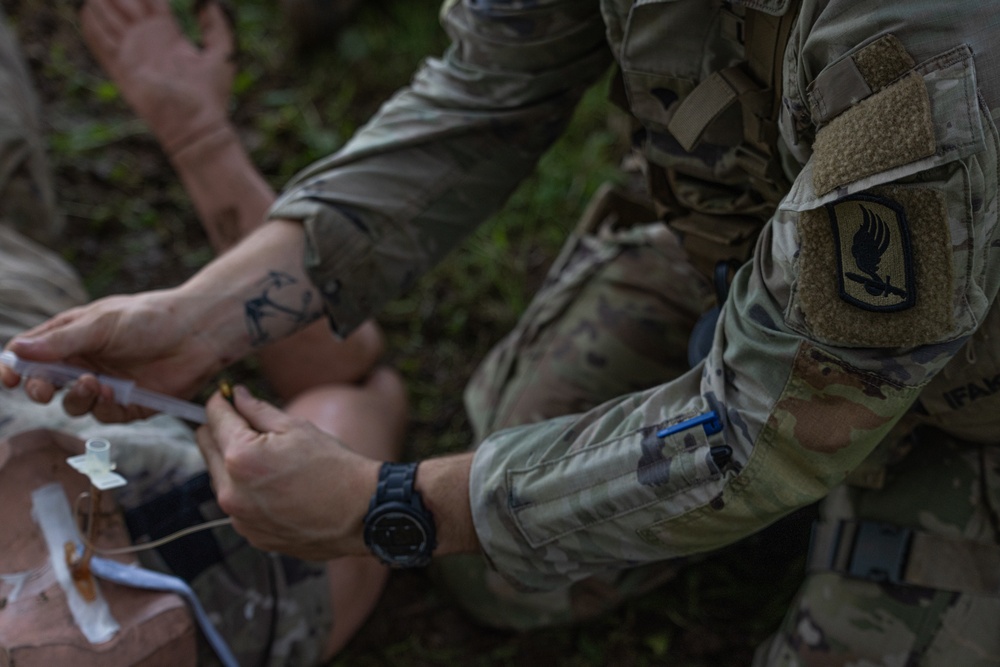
399 530
395 483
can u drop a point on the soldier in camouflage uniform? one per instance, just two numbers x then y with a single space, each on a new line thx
842 154
271 609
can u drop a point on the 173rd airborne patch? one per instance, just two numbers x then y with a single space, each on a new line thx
871 237
875 269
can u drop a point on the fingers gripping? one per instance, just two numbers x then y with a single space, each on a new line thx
260 415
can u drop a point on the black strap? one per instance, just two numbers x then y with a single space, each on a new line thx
888 553
395 482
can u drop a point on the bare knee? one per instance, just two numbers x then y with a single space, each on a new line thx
369 417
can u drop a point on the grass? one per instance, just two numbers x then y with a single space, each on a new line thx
130 227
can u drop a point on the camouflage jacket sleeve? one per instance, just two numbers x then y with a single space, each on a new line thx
877 266
444 153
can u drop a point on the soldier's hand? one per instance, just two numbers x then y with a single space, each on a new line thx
180 89
287 485
139 337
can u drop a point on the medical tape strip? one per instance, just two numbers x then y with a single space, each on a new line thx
137 577
50 509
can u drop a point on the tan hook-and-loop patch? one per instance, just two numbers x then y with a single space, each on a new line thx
891 128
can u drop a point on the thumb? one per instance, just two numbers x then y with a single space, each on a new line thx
216 26
260 415
60 338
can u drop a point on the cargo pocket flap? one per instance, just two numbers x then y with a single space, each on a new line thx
614 480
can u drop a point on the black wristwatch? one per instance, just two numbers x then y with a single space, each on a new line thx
399 530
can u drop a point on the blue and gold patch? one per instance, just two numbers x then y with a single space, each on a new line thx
874 254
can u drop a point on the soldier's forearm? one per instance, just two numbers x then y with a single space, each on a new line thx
232 200
229 194
257 293
443 484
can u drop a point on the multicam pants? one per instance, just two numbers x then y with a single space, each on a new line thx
945 489
614 316
263 604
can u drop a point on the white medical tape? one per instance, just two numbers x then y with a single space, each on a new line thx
51 511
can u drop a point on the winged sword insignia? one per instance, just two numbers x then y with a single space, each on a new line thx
875 263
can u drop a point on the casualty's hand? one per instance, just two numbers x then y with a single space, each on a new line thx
180 90
139 337
287 485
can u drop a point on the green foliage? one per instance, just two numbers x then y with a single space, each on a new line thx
86 135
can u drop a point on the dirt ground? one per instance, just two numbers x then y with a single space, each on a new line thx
129 228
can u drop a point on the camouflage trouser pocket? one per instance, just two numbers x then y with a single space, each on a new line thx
613 317
943 491
272 609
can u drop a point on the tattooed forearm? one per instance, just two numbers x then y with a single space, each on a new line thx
284 305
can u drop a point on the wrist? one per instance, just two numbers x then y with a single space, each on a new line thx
212 318
365 484
444 486
190 150
231 197
398 528
420 511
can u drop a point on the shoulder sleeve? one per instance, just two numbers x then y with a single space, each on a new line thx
444 153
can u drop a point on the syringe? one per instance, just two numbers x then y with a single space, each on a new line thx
126 393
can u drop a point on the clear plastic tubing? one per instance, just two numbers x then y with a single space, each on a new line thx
126 393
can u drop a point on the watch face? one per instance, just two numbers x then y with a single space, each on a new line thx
398 536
